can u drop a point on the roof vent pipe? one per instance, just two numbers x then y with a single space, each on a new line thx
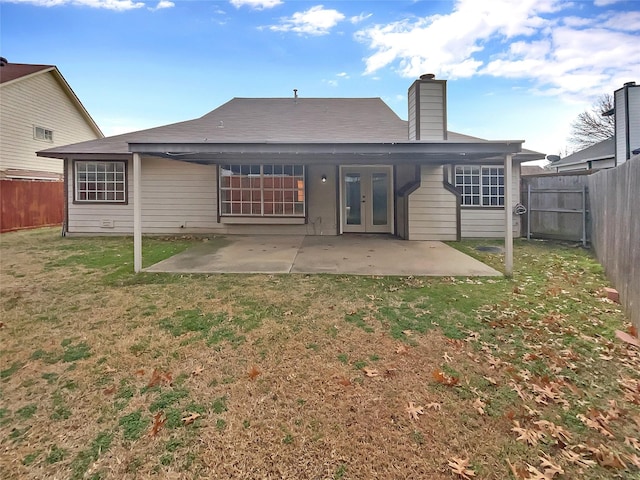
3 61
427 76
629 84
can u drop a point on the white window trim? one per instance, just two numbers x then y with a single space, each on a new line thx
481 196
45 136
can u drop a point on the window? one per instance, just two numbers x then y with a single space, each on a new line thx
480 186
262 190
100 182
41 133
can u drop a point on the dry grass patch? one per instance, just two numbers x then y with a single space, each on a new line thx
107 374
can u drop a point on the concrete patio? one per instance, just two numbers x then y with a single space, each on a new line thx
346 254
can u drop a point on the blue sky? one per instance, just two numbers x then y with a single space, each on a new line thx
515 69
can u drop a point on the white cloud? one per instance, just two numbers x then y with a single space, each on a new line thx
604 3
360 18
117 5
315 21
162 4
581 56
256 4
343 75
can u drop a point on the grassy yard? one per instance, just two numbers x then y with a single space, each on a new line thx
107 374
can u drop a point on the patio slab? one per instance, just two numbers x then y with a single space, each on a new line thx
346 254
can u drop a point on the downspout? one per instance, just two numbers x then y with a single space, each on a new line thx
65 216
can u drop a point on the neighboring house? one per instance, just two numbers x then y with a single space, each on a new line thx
598 156
315 166
618 149
38 110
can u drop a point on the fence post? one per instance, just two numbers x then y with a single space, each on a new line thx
584 216
528 211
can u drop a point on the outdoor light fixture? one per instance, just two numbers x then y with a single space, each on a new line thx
324 179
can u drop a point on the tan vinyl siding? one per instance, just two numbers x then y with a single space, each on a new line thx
181 198
489 222
634 119
177 198
412 112
431 111
39 101
432 208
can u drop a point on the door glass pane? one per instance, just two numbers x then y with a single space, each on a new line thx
379 186
352 193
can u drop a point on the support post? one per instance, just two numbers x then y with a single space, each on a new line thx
508 215
137 215
584 216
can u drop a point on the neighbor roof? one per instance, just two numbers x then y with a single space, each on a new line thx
599 151
13 71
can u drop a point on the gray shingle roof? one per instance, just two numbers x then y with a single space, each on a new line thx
599 151
271 120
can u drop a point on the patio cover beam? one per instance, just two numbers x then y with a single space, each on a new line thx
407 151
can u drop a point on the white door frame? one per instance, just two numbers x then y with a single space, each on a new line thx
390 193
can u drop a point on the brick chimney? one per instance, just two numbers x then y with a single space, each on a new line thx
627 121
428 109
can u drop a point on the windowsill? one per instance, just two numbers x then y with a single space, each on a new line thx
263 220
482 207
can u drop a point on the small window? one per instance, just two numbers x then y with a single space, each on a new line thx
41 133
100 182
480 186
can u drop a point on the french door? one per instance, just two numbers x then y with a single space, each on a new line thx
366 198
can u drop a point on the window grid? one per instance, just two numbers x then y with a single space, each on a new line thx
100 182
480 186
262 190
41 133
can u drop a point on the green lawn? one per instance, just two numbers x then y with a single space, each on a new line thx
109 374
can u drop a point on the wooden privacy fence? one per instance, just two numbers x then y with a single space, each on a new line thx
615 218
557 207
29 204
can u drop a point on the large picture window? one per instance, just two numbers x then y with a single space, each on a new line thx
262 190
480 186
100 181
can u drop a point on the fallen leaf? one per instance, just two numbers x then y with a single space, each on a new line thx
408 333
197 371
344 381
527 435
491 380
609 459
109 390
633 331
159 419
632 442
288 313
554 430
402 350
433 406
414 411
139 372
447 357
190 418
479 405
518 472
254 372
158 377
108 369
577 458
441 377
459 466
370 372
